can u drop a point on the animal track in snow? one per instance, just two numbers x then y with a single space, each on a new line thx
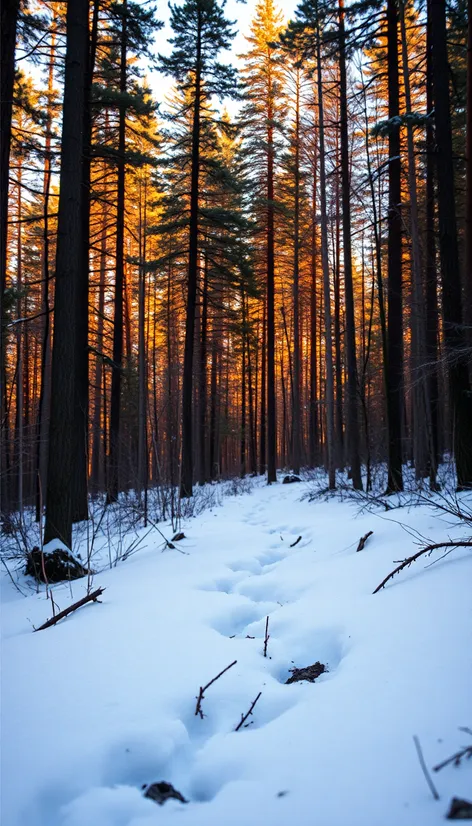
326 645
238 617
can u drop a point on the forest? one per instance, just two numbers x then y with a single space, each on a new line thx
265 266
236 412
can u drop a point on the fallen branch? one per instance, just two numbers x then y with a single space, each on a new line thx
93 597
363 540
427 550
267 636
455 758
244 717
201 694
425 770
296 542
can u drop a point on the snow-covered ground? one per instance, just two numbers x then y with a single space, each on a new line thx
104 702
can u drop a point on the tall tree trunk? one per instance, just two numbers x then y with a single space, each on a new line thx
454 338
44 404
243 440
19 351
8 21
468 202
296 407
352 423
79 488
338 370
116 374
313 418
271 407
263 395
61 441
421 422
395 305
142 372
186 481
99 447
432 312
202 395
326 286
214 405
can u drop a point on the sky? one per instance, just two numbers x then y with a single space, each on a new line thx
241 12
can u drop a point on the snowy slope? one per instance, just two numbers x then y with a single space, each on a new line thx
105 701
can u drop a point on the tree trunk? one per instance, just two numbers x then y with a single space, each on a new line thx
454 338
8 20
202 395
79 486
44 403
142 372
186 481
395 306
468 201
352 423
61 441
313 418
326 285
432 312
421 422
271 415
116 374
296 408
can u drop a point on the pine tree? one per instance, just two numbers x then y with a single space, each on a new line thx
201 31
263 78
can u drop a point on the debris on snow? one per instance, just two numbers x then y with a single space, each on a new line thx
459 809
290 479
54 565
160 792
309 673
363 540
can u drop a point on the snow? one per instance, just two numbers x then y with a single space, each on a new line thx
104 702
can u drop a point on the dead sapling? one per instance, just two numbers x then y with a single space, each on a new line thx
296 542
244 717
363 540
201 693
266 637
93 597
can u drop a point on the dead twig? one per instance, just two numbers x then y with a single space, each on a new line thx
363 540
93 597
424 769
296 542
455 758
427 550
201 693
267 636
244 717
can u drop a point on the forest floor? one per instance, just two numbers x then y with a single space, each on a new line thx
105 701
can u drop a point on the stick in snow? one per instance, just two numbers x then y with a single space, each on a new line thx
93 597
267 636
201 693
427 550
455 758
248 713
296 542
425 770
363 540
